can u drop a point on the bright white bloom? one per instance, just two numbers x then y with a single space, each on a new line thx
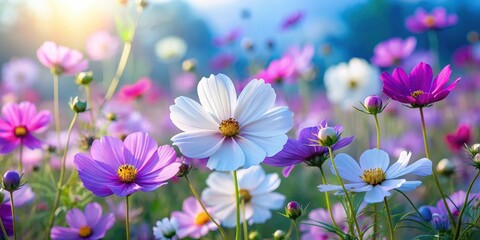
170 48
349 83
255 187
233 132
375 177
166 229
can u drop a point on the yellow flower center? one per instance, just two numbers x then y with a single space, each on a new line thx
85 232
229 127
127 173
417 93
20 131
373 176
202 218
352 83
245 195
429 21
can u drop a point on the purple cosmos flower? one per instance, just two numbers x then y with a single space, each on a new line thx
454 203
84 225
6 216
418 88
311 228
305 149
102 45
467 56
193 221
122 168
436 20
457 140
292 20
19 73
60 59
231 37
393 51
18 123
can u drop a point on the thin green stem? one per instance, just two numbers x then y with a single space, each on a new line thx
459 219
127 218
411 203
389 217
377 126
20 157
195 194
375 215
13 216
296 229
56 107
5 235
433 45
245 227
88 92
349 202
237 205
327 199
62 175
290 230
434 173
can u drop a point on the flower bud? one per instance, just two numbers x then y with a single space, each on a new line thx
440 222
184 168
12 181
189 65
445 167
111 116
474 149
373 104
327 136
254 236
426 213
476 159
141 5
84 78
77 106
293 210
279 235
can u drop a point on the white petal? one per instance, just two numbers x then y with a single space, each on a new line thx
422 167
217 95
226 214
376 195
374 158
250 178
275 122
221 182
269 184
329 187
228 157
211 197
269 201
255 99
402 162
392 183
271 145
356 187
409 185
188 115
260 215
347 167
254 154
198 144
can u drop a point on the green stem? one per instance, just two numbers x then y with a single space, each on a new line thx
327 199
88 92
434 173
62 175
390 223
195 194
433 45
375 215
127 218
20 157
377 126
459 220
56 107
237 205
245 227
5 235
290 230
349 202
296 229
13 216
411 203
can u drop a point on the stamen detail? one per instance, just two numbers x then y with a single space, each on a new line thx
373 176
229 127
127 173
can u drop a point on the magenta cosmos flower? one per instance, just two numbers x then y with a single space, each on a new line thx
436 20
193 221
60 59
84 225
393 51
18 123
123 168
457 140
292 20
419 88
134 91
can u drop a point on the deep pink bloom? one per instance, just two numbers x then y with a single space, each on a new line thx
279 71
231 37
419 88
192 220
18 123
102 45
133 91
123 168
437 20
60 59
292 20
457 140
393 51
84 225
467 56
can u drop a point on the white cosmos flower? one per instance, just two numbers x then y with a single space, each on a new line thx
256 188
375 177
349 83
170 48
232 132
166 229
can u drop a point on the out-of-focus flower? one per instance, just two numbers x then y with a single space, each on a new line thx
279 71
171 48
185 82
438 19
456 141
18 123
166 229
232 132
446 167
119 212
192 220
292 20
393 51
130 92
19 74
133 122
222 61
102 45
374 175
230 38
123 168
467 56
418 89
73 148
256 189
60 59
84 225
408 141
306 149
21 197
302 59
454 203
349 83
311 228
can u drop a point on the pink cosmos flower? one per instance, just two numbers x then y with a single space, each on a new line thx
457 140
231 37
302 58
279 71
18 123
19 74
419 88
102 45
60 59
292 20
436 20
134 91
393 51
193 221
467 56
